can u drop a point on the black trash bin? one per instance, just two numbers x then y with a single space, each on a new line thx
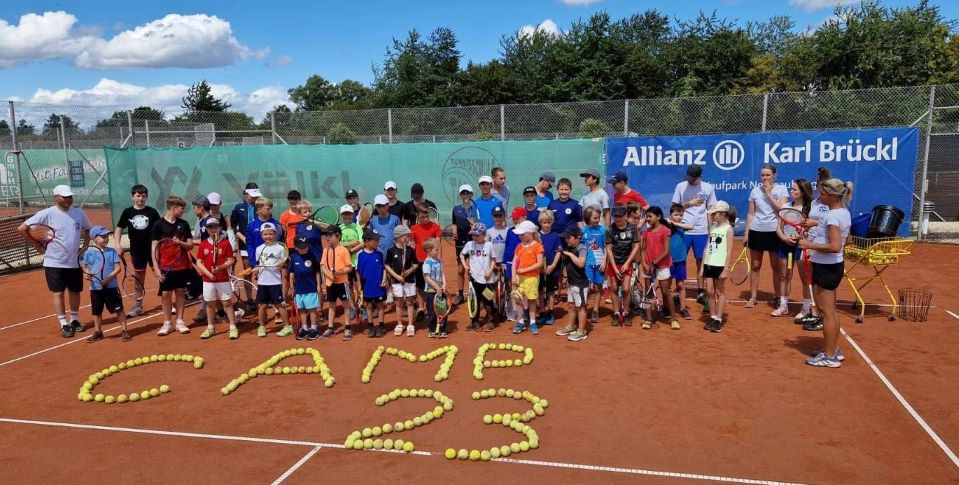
885 221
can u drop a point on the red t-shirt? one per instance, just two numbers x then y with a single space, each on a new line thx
656 241
224 251
630 196
422 232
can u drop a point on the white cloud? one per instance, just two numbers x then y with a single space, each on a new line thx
188 41
579 3
547 26
280 61
813 5
114 95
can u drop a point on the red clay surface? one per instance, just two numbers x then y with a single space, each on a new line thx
738 404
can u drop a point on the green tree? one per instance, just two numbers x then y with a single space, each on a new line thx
4 128
25 129
52 126
315 94
200 98
340 134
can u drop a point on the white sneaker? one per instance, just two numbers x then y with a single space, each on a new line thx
181 327
410 330
166 329
398 329
135 311
238 313
782 310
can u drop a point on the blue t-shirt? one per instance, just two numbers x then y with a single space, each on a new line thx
594 238
461 217
369 265
677 247
542 201
384 226
485 208
254 239
110 259
434 269
512 240
552 242
313 236
565 213
533 216
304 270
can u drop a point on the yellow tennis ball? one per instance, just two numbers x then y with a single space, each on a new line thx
131 363
497 418
504 450
387 428
358 444
134 397
154 392
450 453
99 398
514 447
109 399
437 413
368 443
417 421
376 431
494 452
408 424
488 419
86 398
476 396
388 444
377 444
114 368
474 455
122 398
399 426
485 455
408 447
224 391
367 432
329 383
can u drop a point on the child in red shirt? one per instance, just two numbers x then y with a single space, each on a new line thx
656 262
423 230
214 258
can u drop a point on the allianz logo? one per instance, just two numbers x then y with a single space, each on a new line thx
725 155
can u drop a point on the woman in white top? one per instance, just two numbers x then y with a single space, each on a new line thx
765 200
826 254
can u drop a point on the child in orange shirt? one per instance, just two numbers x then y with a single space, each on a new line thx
528 264
423 230
337 266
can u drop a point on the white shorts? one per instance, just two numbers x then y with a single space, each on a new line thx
217 291
577 296
662 274
404 290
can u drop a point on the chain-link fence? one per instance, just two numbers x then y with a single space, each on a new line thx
56 140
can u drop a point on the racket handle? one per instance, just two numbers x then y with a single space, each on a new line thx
789 261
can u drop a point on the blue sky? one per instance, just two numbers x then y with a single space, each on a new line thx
118 53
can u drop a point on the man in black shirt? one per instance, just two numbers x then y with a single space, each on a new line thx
173 282
138 221
416 198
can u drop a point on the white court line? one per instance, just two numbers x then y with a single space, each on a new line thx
81 339
46 316
953 314
296 465
317 446
905 404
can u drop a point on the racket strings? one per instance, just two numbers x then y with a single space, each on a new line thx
41 233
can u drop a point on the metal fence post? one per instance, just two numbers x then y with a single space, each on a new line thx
925 157
765 110
16 151
130 128
273 125
389 124
63 143
502 122
146 130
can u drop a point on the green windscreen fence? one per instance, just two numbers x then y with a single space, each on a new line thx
323 173
40 170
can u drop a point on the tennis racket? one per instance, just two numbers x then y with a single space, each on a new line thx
244 290
619 294
472 301
441 307
472 212
365 214
293 310
272 255
169 256
499 303
92 261
433 215
739 271
130 285
326 215
41 234
792 227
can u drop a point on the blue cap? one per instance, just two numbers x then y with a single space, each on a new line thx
99 231
479 229
618 177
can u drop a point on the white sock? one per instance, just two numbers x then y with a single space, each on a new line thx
806 304
63 320
74 316
784 301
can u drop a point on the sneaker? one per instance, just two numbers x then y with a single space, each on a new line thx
751 302
371 332
380 330
473 326
810 318
614 321
261 331
567 330
347 335
200 317
125 336
800 318
685 314
781 311
77 328
410 330
594 317
182 328
627 320
250 306
286 331
135 311
519 327
301 334
717 325
312 334
840 356
234 333
398 329
431 334
207 333
327 333
674 325
701 297
166 329
814 325
647 324
364 315
238 313
66 331
98 335
708 326
488 327
533 328
576 336
443 335
820 360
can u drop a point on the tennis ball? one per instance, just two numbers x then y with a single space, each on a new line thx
408 447
405 393
379 401
145 395
367 432
474 455
177 357
286 370
377 444
154 392
368 443
497 418
398 426
122 398
86 398
224 391
134 397
408 424
523 446
543 403
198 363
376 431
450 453
98 398
399 444
387 428
485 455
109 399
94 380
160 358
388 444
358 445
538 409
131 363
437 413
504 450
533 443
417 421
137 361
423 358
514 447
516 416
476 396
488 419
329 383
114 368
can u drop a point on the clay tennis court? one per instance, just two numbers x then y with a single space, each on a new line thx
626 405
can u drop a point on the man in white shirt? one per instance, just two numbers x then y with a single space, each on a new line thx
60 256
500 189
696 197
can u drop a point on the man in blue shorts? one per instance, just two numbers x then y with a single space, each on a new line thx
696 197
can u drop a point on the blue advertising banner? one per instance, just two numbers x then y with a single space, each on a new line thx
880 162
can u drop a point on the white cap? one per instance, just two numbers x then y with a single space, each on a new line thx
346 208
389 185
524 227
381 200
721 206
267 226
254 192
63 191
214 198
486 179
466 187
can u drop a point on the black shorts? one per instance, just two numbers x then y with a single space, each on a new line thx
374 300
549 283
336 291
269 294
420 279
108 298
764 241
827 276
712 272
60 279
176 280
141 259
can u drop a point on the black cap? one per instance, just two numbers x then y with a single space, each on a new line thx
370 234
499 211
416 190
351 193
619 210
694 171
332 229
573 231
301 242
251 185
529 190
293 195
